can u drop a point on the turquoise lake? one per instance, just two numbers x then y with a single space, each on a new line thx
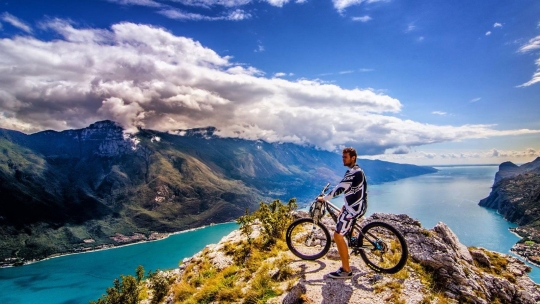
450 196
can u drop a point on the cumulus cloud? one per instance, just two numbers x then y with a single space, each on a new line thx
488 33
401 150
144 76
497 24
16 22
532 45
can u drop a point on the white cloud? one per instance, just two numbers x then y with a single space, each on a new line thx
531 45
210 3
281 74
341 5
488 33
346 72
149 3
420 39
487 156
497 24
278 3
260 47
476 99
365 70
140 75
411 27
16 22
365 18
439 113
173 13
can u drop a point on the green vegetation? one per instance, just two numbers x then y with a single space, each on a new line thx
259 271
125 290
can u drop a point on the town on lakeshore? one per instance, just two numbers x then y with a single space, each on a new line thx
119 240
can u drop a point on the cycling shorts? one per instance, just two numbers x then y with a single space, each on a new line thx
345 221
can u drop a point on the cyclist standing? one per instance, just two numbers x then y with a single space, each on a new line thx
354 187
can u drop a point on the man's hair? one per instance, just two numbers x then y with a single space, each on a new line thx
351 152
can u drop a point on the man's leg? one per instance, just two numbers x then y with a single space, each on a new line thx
343 251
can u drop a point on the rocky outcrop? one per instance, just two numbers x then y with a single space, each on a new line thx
440 270
472 275
509 169
516 196
515 193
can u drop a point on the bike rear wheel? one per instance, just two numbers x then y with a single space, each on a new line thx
383 248
307 240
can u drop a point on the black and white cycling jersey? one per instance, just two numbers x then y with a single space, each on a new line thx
354 187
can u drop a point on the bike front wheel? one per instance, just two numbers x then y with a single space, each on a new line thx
383 247
307 240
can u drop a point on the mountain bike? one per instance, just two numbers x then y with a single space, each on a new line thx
381 246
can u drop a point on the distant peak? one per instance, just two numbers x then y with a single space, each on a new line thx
104 124
507 164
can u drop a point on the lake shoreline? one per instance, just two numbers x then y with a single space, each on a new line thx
163 236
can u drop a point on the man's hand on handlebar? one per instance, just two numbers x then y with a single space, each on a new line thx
320 198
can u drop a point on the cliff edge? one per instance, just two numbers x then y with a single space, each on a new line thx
515 194
440 270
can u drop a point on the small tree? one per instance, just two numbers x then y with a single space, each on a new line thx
246 222
159 283
275 217
124 291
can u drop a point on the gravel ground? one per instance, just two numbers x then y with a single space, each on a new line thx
366 286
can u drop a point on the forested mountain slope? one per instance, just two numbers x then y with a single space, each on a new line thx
75 189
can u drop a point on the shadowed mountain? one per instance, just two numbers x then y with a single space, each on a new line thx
62 190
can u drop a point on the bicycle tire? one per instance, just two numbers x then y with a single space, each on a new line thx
307 240
391 252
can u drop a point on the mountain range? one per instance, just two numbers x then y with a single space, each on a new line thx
78 189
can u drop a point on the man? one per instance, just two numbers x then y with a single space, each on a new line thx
354 187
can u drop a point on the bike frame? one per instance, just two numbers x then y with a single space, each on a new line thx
334 211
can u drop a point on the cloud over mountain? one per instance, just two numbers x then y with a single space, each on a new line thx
141 75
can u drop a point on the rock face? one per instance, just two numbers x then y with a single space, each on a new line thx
515 194
440 270
465 274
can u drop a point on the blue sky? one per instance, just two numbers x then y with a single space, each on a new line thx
423 82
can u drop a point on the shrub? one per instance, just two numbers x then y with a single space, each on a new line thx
124 291
274 218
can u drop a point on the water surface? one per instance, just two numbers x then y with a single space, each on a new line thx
450 196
